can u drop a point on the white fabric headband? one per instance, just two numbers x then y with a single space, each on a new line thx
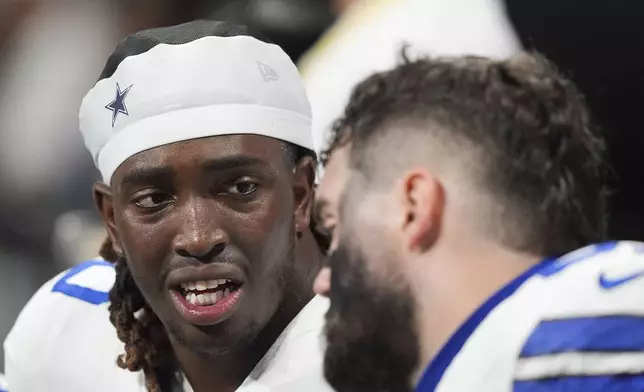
207 87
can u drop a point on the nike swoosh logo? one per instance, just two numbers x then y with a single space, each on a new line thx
610 283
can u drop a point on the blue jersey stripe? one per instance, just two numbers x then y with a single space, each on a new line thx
597 334
435 370
79 292
621 383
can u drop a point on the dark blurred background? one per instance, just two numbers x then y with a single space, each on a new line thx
51 52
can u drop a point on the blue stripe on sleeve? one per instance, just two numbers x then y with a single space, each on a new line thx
435 370
624 383
85 294
597 334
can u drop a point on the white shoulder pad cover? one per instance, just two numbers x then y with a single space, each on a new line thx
63 339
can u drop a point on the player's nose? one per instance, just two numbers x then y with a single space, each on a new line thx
201 236
322 284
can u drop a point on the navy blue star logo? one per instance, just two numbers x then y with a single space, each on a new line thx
118 104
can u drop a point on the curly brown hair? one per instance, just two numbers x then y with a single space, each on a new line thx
540 154
147 347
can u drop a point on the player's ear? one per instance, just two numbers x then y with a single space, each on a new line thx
103 200
423 199
303 187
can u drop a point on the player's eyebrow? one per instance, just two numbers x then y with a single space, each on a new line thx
156 174
232 162
147 175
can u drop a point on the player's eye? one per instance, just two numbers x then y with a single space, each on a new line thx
242 187
152 200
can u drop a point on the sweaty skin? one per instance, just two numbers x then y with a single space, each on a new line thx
226 204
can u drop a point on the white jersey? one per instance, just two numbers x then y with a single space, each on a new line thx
369 37
3 383
575 324
63 341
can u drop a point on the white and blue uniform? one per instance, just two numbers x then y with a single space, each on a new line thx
571 324
63 341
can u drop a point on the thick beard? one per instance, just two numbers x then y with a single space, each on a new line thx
372 342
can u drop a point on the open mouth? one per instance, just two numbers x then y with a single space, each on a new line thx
208 293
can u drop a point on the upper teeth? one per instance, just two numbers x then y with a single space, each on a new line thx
202 285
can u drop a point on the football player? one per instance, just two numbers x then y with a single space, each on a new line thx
201 133
466 198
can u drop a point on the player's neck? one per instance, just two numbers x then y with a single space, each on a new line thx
467 273
223 373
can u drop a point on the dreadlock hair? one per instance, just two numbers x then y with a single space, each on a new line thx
147 347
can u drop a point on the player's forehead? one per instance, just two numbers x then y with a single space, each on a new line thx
216 152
